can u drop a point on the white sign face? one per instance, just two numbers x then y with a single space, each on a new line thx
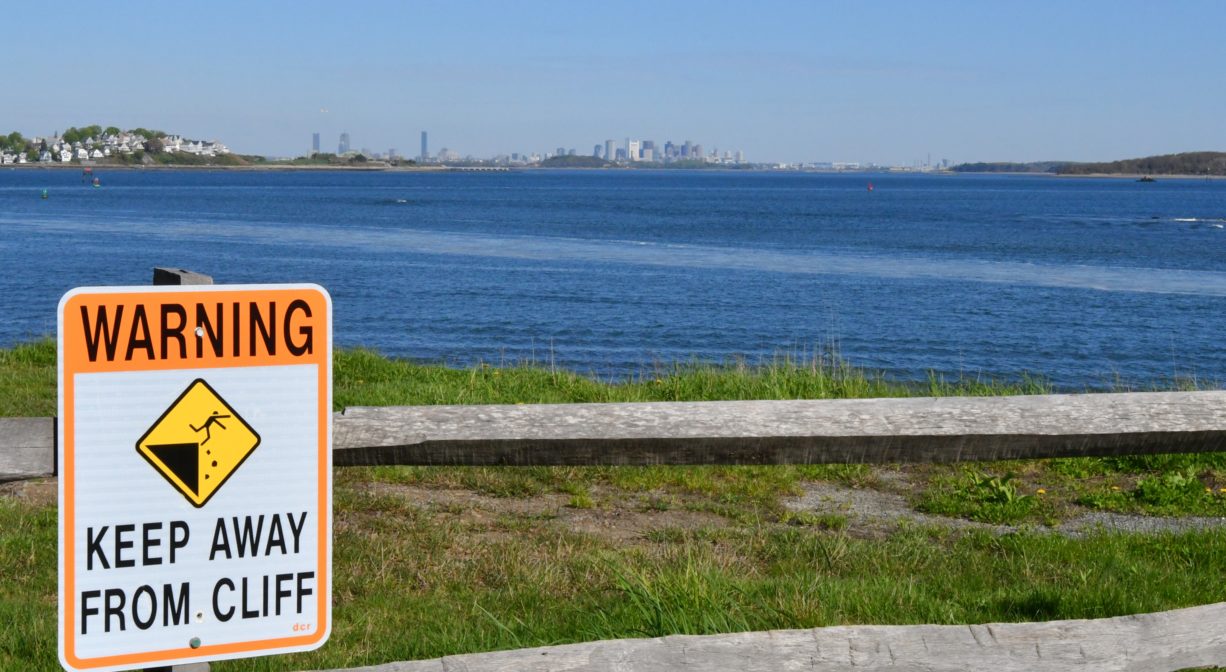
195 474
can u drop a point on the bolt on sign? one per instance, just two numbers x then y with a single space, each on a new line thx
195 464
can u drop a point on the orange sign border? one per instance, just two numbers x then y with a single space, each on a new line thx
69 363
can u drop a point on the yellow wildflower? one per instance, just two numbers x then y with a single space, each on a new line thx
1041 491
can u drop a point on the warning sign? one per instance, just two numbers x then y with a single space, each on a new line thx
195 474
198 442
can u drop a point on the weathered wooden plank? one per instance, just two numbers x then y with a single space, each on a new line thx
1168 640
945 429
26 448
948 429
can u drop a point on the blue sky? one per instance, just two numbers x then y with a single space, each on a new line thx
887 82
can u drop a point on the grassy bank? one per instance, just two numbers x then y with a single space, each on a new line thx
435 561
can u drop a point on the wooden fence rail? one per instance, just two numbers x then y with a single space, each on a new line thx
947 429
1169 640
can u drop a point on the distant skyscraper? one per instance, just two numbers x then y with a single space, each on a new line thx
608 150
687 149
561 152
425 150
597 151
314 143
696 153
343 146
740 156
632 149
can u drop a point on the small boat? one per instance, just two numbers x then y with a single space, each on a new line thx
44 194
870 186
1147 178
97 183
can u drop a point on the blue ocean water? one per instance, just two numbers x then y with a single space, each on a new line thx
1082 281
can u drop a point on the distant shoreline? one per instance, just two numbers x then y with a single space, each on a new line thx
1118 176
384 168
257 167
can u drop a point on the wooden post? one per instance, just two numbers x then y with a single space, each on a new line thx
179 276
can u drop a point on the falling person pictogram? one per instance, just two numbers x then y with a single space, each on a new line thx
207 427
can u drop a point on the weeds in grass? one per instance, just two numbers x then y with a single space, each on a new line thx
981 497
581 501
1173 493
691 598
821 521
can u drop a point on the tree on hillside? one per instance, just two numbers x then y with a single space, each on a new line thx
112 130
154 145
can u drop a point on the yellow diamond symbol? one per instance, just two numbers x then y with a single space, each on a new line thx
198 443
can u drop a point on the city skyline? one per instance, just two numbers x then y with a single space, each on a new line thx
631 150
784 81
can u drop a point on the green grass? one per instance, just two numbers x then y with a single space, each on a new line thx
365 378
27 379
416 583
28 590
515 557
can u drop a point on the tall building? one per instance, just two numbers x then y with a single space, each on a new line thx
608 150
696 153
597 151
314 143
343 146
632 150
425 150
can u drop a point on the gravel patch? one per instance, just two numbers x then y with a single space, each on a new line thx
872 511
1122 522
